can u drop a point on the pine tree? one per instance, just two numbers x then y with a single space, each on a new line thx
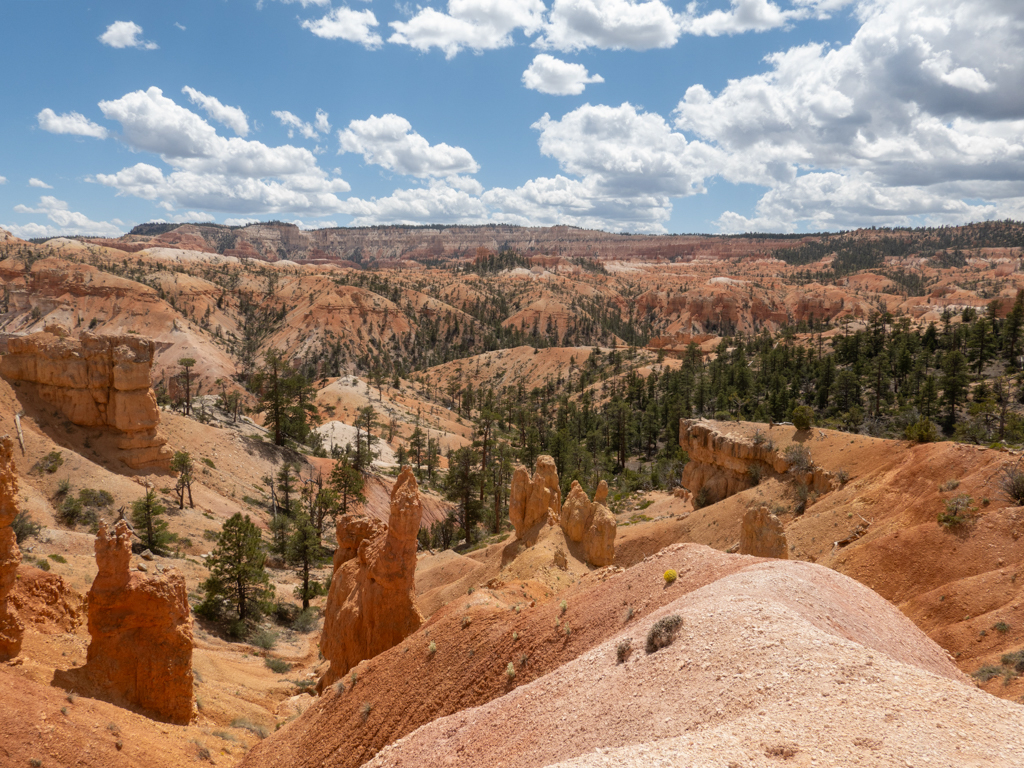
183 465
306 552
237 572
147 514
347 482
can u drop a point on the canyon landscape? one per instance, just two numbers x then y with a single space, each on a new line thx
510 495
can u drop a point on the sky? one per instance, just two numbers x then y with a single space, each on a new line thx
648 116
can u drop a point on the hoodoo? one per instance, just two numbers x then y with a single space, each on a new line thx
10 626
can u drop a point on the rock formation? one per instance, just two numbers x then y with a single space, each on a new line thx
532 500
10 626
141 628
720 462
590 523
351 531
95 381
762 535
371 604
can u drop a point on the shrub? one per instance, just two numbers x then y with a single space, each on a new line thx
949 485
803 417
466 621
623 650
958 511
43 564
986 673
663 632
1001 627
264 638
759 437
754 472
432 648
798 456
843 475
1014 661
366 709
510 670
57 558
50 463
209 462
25 527
564 606
922 431
670 576
250 726
277 665
305 621
95 499
1012 485
701 498
63 488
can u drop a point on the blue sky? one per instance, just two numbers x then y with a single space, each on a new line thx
627 115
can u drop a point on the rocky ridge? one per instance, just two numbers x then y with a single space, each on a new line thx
11 628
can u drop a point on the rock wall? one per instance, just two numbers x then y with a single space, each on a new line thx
95 381
371 606
533 499
590 523
11 629
140 654
353 530
720 462
762 535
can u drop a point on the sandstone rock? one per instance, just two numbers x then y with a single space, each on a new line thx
351 531
590 523
140 654
11 628
560 560
762 535
371 604
532 500
95 381
46 602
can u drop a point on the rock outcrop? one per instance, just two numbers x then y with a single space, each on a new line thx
762 535
720 462
353 530
10 626
96 381
371 606
533 499
45 602
140 654
590 523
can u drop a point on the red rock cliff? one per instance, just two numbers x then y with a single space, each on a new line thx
10 627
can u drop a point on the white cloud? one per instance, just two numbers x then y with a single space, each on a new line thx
560 78
744 16
210 171
3 179
479 25
232 117
447 200
390 142
240 222
345 24
308 130
182 27
125 34
33 182
70 122
916 117
611 24
67 222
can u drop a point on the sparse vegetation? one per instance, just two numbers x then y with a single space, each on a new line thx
623 650
432 648
248 725
25 527
670 576
50 463
280 666
1011 483
365 710
958 510
264 638
663 632
510 671
798 457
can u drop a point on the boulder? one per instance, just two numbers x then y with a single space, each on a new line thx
371 606
11 629
537 498
762 535
95 381
590 523
140 654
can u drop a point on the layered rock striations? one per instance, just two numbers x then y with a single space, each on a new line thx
371 605
590 523
720 463
11 629
534 499
95 381
140 653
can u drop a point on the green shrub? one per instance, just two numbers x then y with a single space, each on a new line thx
1001 627
987 672
57 558
959 510
949 485
209 462
432 648
366 709
43 564
754 472
1012 485
264 638
277 665
564 606
96 499
1014 661
798 456
510 671
663 632
25 527
305 621
63 488
922 431
803 417
250 726
50 463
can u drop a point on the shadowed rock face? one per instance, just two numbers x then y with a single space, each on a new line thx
371 605
95 381
10 626
140 654
762 535
590 523
532 500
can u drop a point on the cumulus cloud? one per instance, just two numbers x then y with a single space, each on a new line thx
743 16
345 24
910 121
65 222
3 179
126 34
232 117
180 26
70 122
390 142
444 200
34 182
240 222
478 25
308 130
560 78
611 24
210 171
